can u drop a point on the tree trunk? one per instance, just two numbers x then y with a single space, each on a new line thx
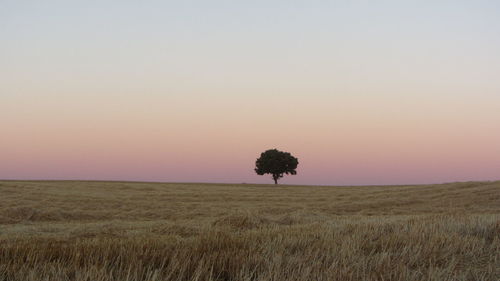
275 178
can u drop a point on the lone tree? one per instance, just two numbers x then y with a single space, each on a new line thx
277 163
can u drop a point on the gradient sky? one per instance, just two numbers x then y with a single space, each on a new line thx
362 92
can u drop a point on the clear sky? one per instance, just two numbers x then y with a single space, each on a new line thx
362 92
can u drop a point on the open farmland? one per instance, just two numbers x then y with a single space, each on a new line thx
73 230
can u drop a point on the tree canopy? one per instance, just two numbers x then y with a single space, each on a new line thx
277 163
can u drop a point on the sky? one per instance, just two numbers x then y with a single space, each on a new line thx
361 92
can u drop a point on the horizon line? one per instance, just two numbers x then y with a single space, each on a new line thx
241 183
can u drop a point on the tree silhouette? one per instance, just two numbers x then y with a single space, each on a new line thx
277 163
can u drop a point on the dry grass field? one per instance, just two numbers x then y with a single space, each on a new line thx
71 230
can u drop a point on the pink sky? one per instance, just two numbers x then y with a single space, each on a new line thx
357 143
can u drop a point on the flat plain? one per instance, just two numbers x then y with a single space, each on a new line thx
84 230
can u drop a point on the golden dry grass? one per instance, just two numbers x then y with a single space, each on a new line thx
70 230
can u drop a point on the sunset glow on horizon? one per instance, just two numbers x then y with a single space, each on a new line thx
360 93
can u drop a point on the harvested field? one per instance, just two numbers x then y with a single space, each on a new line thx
75 230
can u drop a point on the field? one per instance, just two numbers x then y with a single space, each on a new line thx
71 230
